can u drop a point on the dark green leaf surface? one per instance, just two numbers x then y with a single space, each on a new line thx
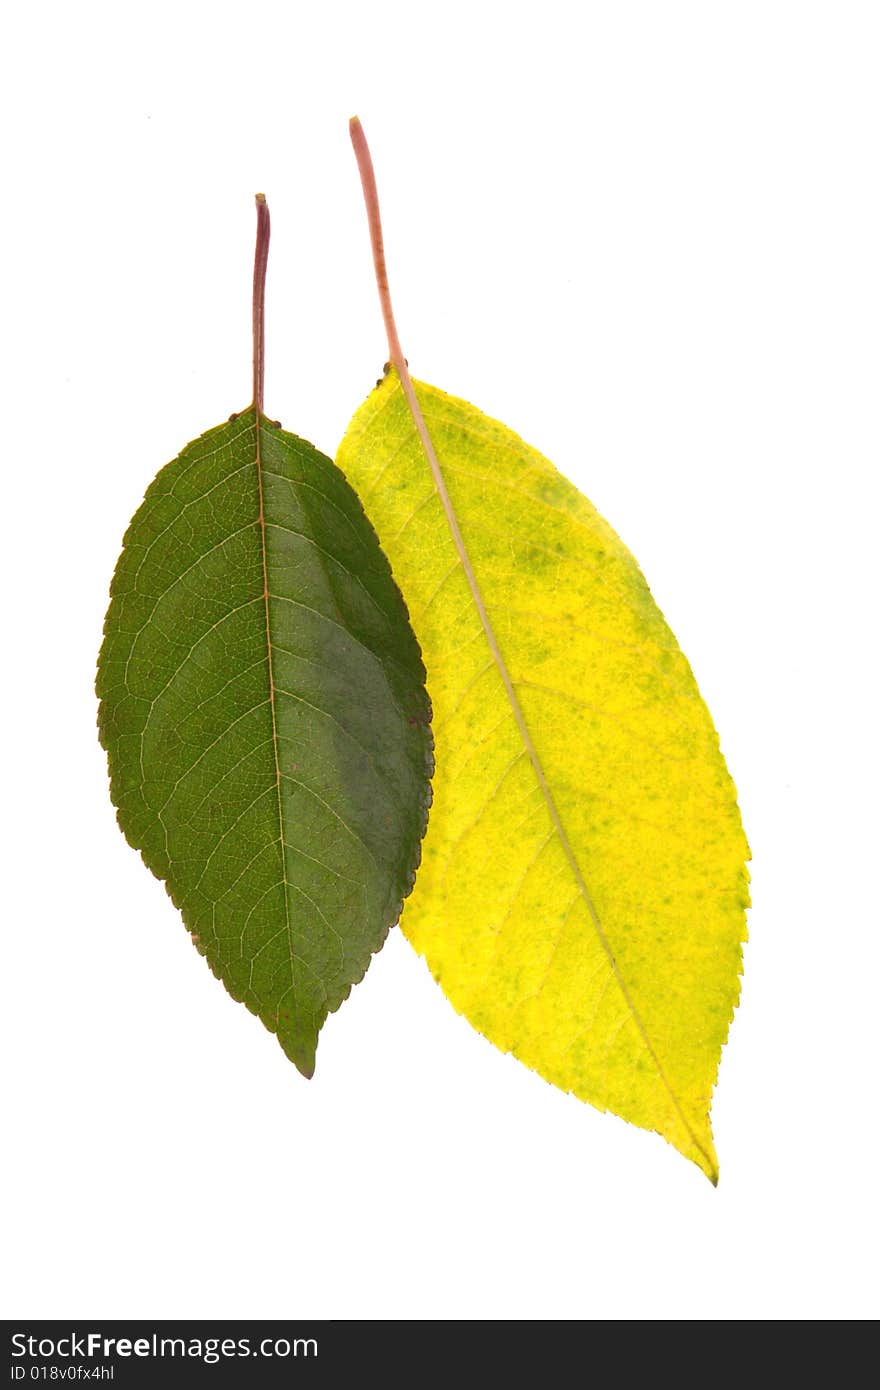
265 718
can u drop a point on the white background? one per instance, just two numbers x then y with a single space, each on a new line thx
647 238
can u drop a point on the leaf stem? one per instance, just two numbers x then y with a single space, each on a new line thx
261 257
374 218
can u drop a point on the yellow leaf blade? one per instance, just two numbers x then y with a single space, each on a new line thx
584 908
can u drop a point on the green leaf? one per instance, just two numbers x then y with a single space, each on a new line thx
265 718
582 894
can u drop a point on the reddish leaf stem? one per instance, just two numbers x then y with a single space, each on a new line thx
371 198
261 257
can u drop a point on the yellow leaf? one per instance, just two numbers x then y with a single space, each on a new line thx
583 886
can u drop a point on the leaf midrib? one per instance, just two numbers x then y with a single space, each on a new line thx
423 433
266 597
